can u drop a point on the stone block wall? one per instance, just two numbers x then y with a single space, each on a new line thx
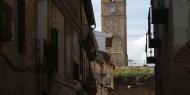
18 72
182 70
115 24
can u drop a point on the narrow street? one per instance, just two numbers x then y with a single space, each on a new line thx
94 47
136 91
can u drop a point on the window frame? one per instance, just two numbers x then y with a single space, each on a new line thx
7 36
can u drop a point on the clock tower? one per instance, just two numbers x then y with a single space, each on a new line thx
114 26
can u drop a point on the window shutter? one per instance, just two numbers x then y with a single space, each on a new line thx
51 53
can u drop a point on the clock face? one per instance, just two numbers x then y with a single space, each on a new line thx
113 9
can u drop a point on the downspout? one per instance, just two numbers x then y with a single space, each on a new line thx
81 44
101 78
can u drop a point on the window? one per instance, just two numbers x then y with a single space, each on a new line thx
109 41
72 51
5 22
20 21
112 0
54 38
51 52
76 71
76 57
54 43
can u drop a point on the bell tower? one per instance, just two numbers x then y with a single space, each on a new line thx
114 26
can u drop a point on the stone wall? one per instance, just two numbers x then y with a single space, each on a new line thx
182 71
18 73
56 21
115 24
21 73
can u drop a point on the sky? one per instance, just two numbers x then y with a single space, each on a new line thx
137 14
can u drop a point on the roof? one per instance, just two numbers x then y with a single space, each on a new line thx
89 11
103 57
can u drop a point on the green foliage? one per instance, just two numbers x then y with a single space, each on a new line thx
138 72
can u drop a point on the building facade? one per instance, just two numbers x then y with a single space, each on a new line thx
101 40
114 26
103 72
18 55
170 40
46 47
103 68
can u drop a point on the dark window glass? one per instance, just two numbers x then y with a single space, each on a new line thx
54 38
51 52
20 25
5 22
75 71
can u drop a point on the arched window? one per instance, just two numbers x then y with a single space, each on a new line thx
5 22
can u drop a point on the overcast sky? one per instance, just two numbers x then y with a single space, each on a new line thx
137 13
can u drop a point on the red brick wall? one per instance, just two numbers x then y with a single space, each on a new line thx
182 71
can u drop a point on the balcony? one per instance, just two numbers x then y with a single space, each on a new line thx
155 16
159 15
154 43
151 60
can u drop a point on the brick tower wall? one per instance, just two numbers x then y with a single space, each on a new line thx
114 23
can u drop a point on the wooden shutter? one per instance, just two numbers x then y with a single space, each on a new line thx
21 25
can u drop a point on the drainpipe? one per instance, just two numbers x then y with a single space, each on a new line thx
101 70
81 44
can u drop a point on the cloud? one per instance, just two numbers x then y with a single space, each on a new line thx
137 24
136 48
